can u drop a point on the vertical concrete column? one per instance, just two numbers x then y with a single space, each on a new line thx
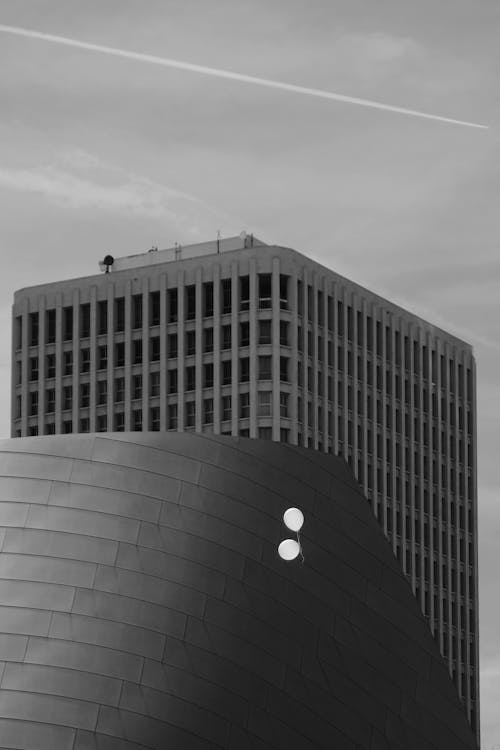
145 353
294 359
305 358
414 465
111 355
163 352
324 426
24 367
474 561
441 453
335 367
217 351
76 360
93 357
253 349
354 383
42 337
276 348
454 555
395 500
234 342
315 364
405 443
364 393
345 347
446 635
127 346
198 349
58 380
180 351
432 452
419 500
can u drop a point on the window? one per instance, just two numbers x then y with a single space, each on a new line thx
190 302
244 405
102 317
208 339
244 293
283 292
84 395
226 372
244 369
119 421
172 381
33 403
265 368
137 386
19 332
172 306
102 357
67 363
154 418
208 299
67 323
49 428
190 342
137 311
18 408
85 320
265 433
19 372
226 295
137 352
172 346
190 413
33 329
154 308
226 337
284 369
264 331
265 287
50 400
102 392
244 334
119 354
208 375
284 404
119 314
284 326
50 323
154 384
172 416
84 360
137 420
190 378
264 403
33 430
102 423
226 408
208 411
154 349
33 370
67 397
119 390
84 424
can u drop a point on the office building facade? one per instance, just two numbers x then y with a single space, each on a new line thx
242 338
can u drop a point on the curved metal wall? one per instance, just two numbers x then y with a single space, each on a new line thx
143 605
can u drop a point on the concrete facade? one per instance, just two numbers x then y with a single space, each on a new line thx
143 604
261 341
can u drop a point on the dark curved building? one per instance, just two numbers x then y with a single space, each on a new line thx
143 604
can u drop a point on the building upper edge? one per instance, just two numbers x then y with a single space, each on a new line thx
228 252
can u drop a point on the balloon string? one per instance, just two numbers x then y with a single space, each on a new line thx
300 547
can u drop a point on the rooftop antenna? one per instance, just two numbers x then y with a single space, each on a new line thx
153 249
218 241
243 236
106 263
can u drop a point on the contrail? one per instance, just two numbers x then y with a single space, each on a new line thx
230 75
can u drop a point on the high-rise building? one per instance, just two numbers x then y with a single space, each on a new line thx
237 337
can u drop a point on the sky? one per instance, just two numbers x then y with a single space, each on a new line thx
101 154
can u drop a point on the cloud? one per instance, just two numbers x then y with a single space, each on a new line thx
79 180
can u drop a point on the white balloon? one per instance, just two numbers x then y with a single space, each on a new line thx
293 519
289 549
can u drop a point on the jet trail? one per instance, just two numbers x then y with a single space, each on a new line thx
227 74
